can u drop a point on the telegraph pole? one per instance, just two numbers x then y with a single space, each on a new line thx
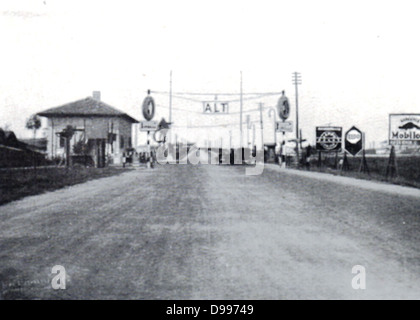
240 118
170 97
248 127
262 126
297 80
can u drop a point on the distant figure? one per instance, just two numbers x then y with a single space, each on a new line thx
124 159
283 154
340 164
308 157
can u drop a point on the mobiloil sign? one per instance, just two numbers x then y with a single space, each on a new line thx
404 129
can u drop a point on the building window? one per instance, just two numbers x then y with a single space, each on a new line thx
130 144
122 142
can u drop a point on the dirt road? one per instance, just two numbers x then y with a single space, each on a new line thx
211 232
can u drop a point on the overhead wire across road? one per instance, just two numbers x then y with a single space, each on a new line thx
182 96
217 93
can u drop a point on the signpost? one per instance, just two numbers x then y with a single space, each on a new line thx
148 109
283 109
353 141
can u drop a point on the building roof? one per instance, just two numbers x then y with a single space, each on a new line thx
87 107
8 138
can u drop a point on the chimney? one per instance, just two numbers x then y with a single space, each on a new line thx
96 95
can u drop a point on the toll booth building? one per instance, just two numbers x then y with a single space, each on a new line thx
101 133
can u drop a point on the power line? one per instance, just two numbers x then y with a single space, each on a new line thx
258 96
216 93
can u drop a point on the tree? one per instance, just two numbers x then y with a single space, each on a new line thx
33 123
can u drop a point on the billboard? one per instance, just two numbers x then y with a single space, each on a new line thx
329 139
353 141
404 129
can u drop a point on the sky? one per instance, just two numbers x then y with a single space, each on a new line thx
359 60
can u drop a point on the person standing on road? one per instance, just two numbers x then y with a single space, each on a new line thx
308 157
124 159
283 154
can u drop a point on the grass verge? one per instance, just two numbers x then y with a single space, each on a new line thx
408 169
16 184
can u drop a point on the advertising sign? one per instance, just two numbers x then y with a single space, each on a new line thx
404 129
148 108
353 141
329 139
283 107
284 126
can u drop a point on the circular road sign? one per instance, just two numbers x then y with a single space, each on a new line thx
283 107
148 108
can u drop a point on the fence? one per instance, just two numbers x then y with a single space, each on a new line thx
13 157
403 169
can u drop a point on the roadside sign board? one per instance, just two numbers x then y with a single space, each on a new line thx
404 129
148 125
284 126
353 141
283 107
148 108
329 139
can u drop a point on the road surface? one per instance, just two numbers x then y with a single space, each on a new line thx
211 232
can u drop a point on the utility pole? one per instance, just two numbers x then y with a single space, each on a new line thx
248 127
170 97
297 80
240 117
262 126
